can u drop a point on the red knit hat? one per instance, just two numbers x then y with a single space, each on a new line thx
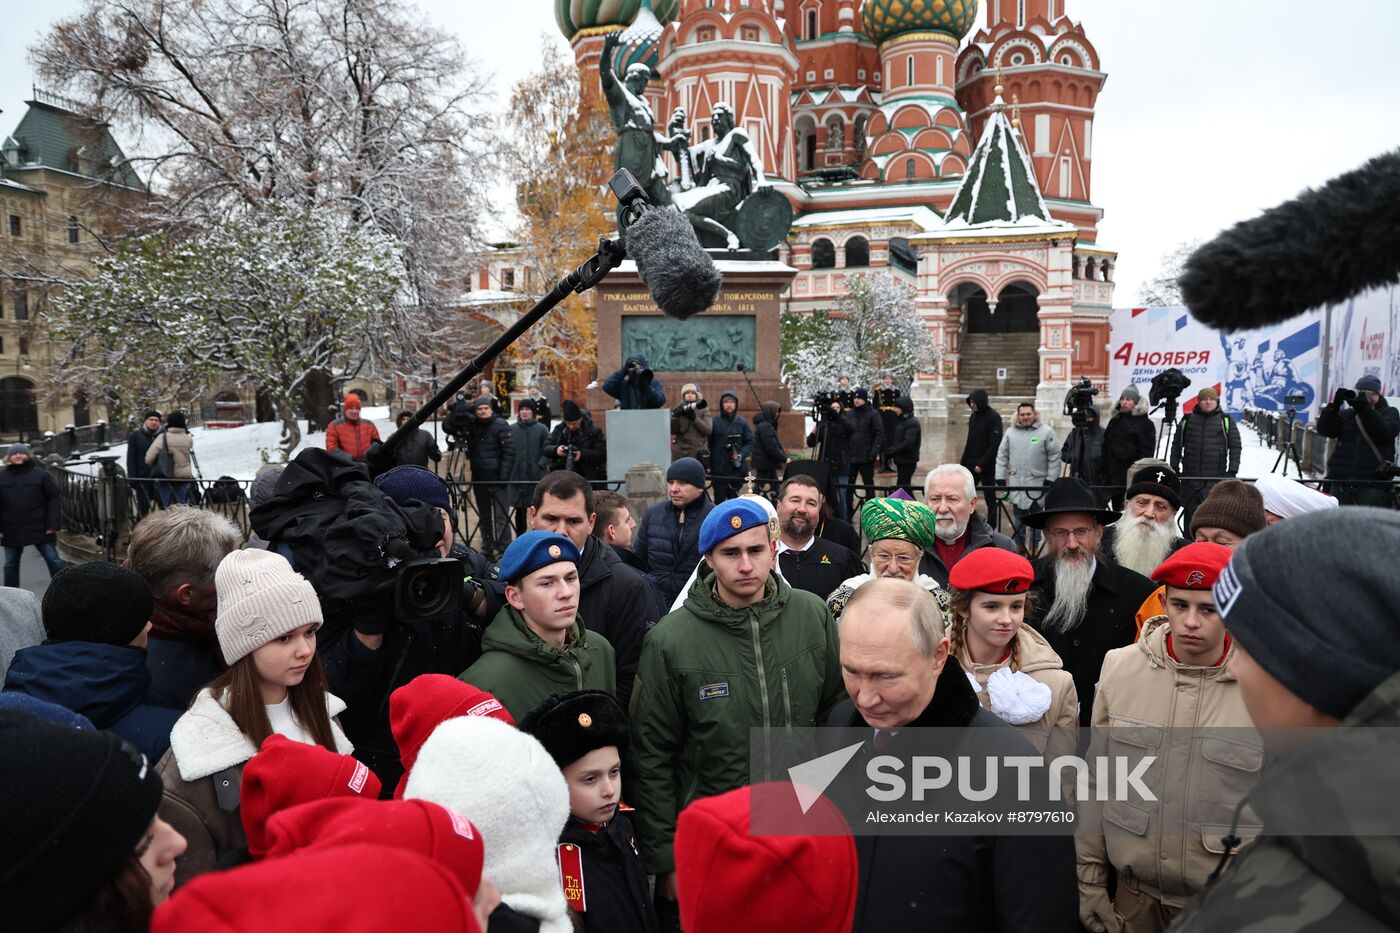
992 570
1194 567
729 879
421 826
426 701
285 774
351 401
375 888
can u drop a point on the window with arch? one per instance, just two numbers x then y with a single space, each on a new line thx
811 24
857 252
835 133
862 122
823 254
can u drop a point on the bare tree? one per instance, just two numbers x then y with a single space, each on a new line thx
1162 290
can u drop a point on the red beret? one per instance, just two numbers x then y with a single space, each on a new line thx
1194 567
992 570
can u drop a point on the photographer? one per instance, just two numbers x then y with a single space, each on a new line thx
577 444
1207 445
458 423
731 442
1082 454
691 425
1128 438
635 385
832 435
1365 441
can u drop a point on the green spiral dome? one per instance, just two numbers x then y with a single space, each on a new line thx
575 15
884 19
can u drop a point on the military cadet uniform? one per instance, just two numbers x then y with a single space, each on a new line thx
887 400
600 867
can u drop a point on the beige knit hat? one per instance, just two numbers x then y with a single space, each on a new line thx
261 598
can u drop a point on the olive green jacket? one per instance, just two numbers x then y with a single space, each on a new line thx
520 669
709 674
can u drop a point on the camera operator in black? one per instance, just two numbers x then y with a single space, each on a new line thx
691 426
1128 438
1082 455
831 437
867 442
458 423
1365 441
731 443
887 400
577 444
635 385
492 459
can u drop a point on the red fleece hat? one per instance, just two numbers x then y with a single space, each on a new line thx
992 570
421 826
424 703
1194 567
285 774
730 879
348 889
351 401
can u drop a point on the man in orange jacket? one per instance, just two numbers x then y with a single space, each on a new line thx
348 432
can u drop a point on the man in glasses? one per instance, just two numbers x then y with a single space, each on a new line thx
1087 606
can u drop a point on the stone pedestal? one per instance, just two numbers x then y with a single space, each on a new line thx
930 399
636 437
741 328
646 486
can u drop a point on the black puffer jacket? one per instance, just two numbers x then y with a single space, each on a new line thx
669 547
833 435
908 437
492 449
768 453
984 431
1207 445
868 438
591 460
1353 458
29 505
1127 439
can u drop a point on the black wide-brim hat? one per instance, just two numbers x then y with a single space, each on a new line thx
1068 494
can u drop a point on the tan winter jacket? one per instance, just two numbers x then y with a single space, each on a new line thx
1208 757
202 773
181 446
1041 663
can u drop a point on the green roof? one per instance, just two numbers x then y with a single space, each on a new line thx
999 187
51 137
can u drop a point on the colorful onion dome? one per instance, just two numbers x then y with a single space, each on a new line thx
884 19
575 16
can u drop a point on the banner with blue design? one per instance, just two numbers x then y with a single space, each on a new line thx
1273 368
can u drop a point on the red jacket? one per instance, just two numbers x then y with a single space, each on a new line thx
352 437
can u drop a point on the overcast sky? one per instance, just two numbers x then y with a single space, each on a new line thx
1212 111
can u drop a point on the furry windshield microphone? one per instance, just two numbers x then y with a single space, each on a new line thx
679 274
1320 248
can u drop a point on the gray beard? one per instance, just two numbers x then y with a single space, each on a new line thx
942 530
1073 583
1140 544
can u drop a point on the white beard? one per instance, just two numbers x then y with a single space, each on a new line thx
1140 544
1074 581
949 531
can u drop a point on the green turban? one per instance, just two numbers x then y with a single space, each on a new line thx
906 520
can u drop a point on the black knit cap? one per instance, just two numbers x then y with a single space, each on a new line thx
74 804
572 725
1158 481
96 601
1314 611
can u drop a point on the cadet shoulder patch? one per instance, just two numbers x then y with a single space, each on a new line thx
714 691
571 876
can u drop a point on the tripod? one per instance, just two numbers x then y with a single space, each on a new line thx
1289 451
1167 432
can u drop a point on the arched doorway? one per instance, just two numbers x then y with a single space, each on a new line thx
1001 334
1014 313
18 412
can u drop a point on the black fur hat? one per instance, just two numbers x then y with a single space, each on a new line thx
572 725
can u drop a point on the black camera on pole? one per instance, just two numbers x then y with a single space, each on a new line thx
1167 386
1079 400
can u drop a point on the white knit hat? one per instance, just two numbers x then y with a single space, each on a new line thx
491 773
261 598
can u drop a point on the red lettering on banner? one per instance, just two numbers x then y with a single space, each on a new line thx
1125 354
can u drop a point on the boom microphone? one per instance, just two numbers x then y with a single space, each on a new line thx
679 274
1320 248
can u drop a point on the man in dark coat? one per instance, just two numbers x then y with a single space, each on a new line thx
1128 438
668 539
1365 441
808 562
867 442
984 431
769 457
1082 453
731 443
1087 606
137 443
492 458
635 385
831 437
577 444
1207 445
416 449
941 879
615 601
951 493
530 438
29 512
904 443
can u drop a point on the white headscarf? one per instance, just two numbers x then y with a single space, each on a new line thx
1288 498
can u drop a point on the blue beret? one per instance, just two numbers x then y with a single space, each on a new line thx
533 550
729 519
